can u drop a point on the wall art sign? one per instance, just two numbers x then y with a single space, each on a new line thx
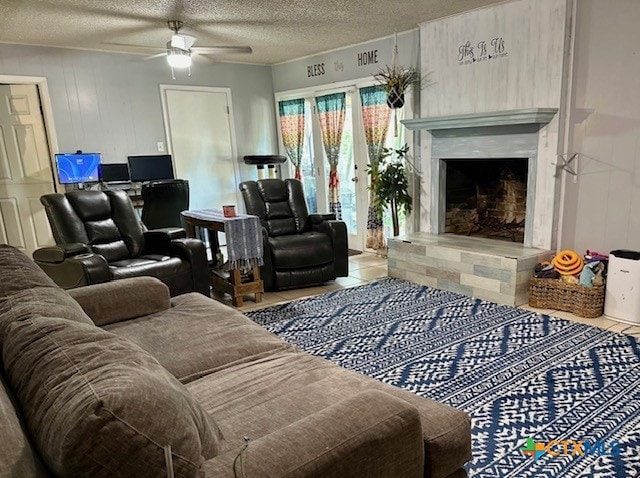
367 57
316 69
469 53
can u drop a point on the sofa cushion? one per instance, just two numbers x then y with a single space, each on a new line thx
300 251
17 457
198 335
39 301
97 405
260 397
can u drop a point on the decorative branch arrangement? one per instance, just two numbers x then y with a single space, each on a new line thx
396 81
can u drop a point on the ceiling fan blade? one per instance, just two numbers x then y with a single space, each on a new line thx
154 56
130 45
222 49
203 58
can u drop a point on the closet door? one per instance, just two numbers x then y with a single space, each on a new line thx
200 135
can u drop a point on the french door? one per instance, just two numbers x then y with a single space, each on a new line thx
352 163
352 177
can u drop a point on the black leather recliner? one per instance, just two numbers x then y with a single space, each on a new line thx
300 249
99 238
163 201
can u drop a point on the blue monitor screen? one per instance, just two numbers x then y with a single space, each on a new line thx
78 168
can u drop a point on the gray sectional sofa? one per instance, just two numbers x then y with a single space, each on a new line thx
120 379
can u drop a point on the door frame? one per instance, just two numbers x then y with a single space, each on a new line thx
232 129
47 115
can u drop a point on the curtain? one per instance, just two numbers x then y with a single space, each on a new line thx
332 113
292 129
376 115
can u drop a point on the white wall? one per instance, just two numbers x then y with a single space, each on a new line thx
602 209
110 103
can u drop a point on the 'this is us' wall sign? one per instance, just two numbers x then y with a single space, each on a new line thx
484 50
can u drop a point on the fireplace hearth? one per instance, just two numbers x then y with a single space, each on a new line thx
486 197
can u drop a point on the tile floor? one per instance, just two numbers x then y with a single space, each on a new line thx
365 268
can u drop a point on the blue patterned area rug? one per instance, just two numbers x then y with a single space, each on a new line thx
548 397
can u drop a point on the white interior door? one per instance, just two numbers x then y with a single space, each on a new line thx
25 169
199 127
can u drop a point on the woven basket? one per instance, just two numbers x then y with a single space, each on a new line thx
558 295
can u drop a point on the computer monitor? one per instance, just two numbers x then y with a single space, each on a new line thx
150 168
114 172
78 167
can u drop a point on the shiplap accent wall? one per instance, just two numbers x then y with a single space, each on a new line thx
528 73
528 76
110 103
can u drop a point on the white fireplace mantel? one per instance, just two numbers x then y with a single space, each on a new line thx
476 120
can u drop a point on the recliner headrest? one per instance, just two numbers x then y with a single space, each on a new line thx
90 205
273 190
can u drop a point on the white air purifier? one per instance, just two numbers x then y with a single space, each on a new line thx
622 296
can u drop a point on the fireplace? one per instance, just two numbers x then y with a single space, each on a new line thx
486 197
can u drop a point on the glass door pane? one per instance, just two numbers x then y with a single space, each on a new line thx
346 172
307 168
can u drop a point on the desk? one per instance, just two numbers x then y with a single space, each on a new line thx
235 283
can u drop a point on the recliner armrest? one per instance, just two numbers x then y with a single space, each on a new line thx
158 241
371 434
57 254
337 230
318 218
76 271
171 232
194 252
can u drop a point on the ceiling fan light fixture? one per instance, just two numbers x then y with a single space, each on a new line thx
178 58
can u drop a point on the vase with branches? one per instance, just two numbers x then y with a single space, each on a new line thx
390 185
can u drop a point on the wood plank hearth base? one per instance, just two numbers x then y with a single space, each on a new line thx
488 269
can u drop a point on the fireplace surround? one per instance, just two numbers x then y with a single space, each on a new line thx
523 134
477 266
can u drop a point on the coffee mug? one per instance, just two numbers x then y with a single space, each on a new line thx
229 211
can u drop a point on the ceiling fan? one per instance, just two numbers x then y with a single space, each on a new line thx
179 49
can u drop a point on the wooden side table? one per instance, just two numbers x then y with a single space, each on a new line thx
233 282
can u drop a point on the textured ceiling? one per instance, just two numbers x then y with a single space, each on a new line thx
277 30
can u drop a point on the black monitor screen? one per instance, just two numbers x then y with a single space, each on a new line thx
149 168
114 172
78 167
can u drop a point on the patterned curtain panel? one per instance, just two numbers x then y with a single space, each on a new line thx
332 112
376 115
292 128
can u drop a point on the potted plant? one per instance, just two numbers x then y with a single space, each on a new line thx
390 185
396 80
